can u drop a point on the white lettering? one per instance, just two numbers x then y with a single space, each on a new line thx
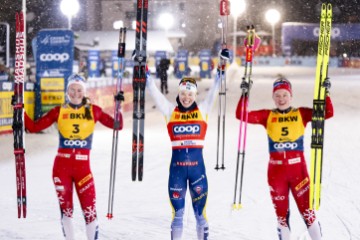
286 145
187 129
75 143
58 57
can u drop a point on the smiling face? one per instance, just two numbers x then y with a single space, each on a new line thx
187 98
76 93
282 99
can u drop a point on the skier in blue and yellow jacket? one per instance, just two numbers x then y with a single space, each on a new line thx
187 126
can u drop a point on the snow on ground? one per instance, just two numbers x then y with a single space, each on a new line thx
142 209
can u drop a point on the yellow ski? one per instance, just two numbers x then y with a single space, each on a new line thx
318 116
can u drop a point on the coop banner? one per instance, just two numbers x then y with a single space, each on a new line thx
158 56
54 64
181 64
93 63
205 63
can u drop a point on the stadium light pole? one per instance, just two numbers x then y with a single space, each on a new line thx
273 16
69 8
237 7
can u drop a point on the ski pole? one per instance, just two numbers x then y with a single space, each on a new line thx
117 112
224 12
249 43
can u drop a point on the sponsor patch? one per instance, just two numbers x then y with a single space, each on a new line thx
84 180
302 184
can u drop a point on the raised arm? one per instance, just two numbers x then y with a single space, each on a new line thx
161 101
206 105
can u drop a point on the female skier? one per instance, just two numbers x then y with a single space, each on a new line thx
187 125
76 121
287 171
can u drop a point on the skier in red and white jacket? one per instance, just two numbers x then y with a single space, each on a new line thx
76 121
287 170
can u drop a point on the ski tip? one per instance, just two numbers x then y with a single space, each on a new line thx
109 216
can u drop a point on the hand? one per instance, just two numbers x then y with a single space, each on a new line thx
246 86
225 54
326 84
119 96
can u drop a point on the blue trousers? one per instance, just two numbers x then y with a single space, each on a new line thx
187 170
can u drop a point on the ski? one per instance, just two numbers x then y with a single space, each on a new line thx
251 43
18 116
117 113
318 115
224 12
139 82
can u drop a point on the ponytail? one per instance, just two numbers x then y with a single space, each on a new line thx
86 103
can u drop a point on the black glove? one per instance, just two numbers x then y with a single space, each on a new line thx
326 84
245 86
119 96
225 54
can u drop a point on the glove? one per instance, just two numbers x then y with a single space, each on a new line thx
225 54
327 84
246 86
119 96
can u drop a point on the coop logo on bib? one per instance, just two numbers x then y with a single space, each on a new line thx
286 146
186 129
75 143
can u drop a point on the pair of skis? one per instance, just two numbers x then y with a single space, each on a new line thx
117 113
139 83
318 116
18 116
224 13
245 95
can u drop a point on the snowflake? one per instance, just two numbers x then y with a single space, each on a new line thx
282 221
61 199
90 214
68 212
309 216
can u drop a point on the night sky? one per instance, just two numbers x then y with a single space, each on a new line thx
46 13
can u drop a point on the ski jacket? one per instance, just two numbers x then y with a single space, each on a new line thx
186 129
75 131
285 130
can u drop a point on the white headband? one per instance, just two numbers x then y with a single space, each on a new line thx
187 86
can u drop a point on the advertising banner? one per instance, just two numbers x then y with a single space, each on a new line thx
206 64
54 64
158 56
291 31
94 63
181 64
4 44
6 109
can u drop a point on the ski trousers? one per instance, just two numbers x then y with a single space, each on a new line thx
287 175
73 169
187 170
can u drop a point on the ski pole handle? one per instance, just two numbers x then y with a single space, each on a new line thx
224 8
121 46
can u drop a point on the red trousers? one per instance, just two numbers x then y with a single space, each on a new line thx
72 168
287 172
